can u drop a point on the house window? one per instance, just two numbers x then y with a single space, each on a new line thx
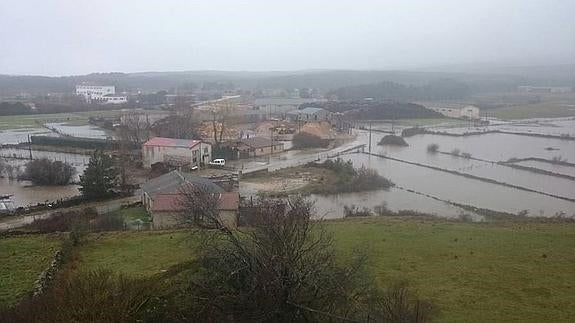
206 150
195 160
262 150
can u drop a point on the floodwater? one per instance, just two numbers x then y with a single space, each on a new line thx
491 148
556 168
394 199
78 161
25 194
16 136
464 190
85 131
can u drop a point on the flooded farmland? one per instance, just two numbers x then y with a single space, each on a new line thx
83 131
433 183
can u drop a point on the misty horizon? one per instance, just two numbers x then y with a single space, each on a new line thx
53 39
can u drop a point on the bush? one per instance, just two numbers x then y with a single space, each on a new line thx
455 152
432 148
354 211
392 140
96 296
46 172
77 222
466 155
350 179
307 140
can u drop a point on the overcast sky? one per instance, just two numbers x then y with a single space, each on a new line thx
63 37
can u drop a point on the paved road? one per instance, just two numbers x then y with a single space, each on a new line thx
12 222
293 158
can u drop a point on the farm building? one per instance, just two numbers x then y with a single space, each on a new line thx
257 146
163 198
176 152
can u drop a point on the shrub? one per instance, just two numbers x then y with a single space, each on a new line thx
455 152
558 159
77 222
308 140
466 155
96 296
46 172
432 148
354 211
392 140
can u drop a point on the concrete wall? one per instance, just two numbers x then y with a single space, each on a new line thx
256 152
157 154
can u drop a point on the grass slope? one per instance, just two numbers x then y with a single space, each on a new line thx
22 259
135 253
474 272
36 120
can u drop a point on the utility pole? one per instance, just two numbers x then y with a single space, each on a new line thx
30 146
370 137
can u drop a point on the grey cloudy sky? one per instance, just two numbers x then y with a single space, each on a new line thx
62 37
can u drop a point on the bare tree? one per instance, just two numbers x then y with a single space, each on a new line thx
281 269
135 127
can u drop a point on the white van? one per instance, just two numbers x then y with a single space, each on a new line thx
220 162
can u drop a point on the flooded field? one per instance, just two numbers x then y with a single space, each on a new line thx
16 136
464 190
332 206
25 194
19 158
83 131
559 169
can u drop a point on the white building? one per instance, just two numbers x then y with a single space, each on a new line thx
467 112
176 152
104 94
112 99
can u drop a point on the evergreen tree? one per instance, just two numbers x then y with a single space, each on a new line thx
100 178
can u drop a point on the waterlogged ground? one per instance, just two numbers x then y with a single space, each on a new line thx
80 131
490 148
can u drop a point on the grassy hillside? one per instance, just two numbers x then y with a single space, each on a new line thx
474 272
22 259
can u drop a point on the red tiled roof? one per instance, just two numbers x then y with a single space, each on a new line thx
171 142
171 202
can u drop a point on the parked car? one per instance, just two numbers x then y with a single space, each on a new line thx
219 162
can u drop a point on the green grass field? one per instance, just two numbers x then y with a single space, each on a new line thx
134 213
136 253
541 110
35 120
22 259
473 272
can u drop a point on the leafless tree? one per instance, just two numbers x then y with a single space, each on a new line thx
283 269
135 127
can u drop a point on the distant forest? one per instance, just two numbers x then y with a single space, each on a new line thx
478 81
443 89
364 110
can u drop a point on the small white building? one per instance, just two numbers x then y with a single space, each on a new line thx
176 152
467 112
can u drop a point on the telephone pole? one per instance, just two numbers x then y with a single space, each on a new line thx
370 137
